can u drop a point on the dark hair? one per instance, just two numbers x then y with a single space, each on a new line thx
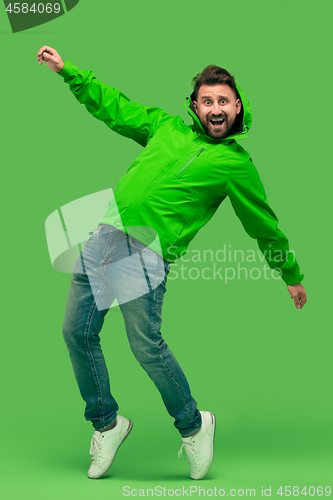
214 75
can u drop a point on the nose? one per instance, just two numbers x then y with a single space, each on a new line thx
216 109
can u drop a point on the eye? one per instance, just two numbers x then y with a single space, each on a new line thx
223 101
207 101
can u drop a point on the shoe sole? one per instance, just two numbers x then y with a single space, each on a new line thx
212 442
108 467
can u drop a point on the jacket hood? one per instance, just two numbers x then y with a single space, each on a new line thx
245 121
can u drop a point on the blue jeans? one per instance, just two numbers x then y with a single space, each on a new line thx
100 276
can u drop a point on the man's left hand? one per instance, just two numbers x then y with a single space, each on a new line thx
297 293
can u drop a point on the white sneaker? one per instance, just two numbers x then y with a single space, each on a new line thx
104 445
199 448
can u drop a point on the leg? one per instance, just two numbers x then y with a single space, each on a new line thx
143 323
82 325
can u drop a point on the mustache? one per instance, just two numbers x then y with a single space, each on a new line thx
216 117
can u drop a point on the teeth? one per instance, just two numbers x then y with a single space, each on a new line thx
215 121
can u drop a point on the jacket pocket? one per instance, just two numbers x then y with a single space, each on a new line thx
190 161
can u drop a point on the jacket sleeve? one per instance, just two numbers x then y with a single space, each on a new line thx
248 198
111 106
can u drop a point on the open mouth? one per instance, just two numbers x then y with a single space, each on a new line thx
217 122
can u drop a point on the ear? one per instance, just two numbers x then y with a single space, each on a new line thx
238 106
195 105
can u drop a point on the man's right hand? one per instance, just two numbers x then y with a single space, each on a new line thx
51 57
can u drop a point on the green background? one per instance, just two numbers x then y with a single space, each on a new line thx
262 366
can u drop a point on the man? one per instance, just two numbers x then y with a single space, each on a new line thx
173 188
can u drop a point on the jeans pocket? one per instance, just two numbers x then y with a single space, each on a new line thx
136 244
150 257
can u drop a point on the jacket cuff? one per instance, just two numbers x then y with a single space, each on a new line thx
293 280
67 70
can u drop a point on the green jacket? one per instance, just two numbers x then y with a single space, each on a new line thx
182 176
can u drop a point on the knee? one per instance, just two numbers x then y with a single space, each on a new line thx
67 334
71 335
149 352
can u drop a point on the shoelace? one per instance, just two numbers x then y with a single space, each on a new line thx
191 453
95 447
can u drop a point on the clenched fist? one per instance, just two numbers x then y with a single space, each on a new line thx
51 57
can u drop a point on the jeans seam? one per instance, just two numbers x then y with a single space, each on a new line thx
104 260
159 261
143 264
179 390
178 387
91 358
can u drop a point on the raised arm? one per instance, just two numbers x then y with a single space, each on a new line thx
106 103
248 198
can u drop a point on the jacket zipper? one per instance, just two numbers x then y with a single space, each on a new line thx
190 161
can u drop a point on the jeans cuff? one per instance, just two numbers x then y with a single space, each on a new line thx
104 426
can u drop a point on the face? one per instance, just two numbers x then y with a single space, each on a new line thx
217 109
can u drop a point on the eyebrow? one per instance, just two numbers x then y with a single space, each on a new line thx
209 97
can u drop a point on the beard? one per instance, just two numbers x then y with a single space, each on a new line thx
217 127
